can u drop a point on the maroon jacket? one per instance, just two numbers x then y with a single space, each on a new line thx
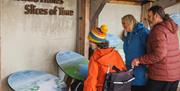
163 54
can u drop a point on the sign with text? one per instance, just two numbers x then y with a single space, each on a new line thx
55 10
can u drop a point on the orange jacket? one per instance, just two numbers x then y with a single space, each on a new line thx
98 65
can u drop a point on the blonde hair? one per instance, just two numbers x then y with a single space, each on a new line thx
129 19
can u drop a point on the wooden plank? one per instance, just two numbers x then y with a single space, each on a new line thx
124 2
0 43
96 8
128 0
131 2
80 26
166 3
135 0
87 27
82 44
144 12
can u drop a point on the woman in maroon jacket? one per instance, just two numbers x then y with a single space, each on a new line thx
163 54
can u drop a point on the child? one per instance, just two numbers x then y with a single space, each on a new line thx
102 57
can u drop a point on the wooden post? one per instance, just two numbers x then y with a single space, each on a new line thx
87 27
144 12
96 8
83 27
82 44
0 43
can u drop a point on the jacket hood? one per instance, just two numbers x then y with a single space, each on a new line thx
170 25
138 26
105 55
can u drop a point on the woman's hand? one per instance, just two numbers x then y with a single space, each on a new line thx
135 62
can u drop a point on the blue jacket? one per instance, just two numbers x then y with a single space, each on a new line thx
135 46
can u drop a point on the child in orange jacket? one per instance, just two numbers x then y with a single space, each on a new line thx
102 57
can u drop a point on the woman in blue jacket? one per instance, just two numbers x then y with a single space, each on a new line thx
135 46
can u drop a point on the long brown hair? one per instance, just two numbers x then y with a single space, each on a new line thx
159 10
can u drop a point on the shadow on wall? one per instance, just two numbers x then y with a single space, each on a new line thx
6 86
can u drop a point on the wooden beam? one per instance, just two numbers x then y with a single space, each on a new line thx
0 44
87 28
130 2
144 12
95 11
124 2
135 0
166 3
82 44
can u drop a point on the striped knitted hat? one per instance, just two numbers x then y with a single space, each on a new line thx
98 35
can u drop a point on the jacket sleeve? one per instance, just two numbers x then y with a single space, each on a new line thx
144 36
91 81
159 49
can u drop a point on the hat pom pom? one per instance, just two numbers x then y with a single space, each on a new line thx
104 28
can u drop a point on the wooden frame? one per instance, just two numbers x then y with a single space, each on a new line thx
130 2
95 14
144 8
0 44
166 3
88 19
124 2
82 44
144 11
